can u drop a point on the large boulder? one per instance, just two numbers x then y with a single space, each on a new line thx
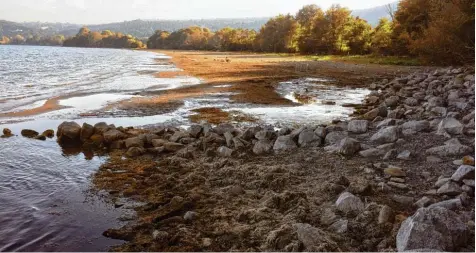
195 130
173 146
416 126
335 137
386 135
451 126
315 239
284 143
69 132
101 127
263 147
349 203
266 134
435 229
113 135
463 172
250 133
28 133
358 126
449 150
346 146
134 142
225 151
308 137
87 131
177 136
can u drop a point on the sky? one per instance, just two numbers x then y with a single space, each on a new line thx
106 11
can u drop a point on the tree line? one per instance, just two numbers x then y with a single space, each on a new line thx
84 38
436 31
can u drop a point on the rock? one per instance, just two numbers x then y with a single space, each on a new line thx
398 185
463 172
385 215
469 182
250 133
7 132
335 137
433 159
451 126
406 201
101 127
284 143
392 101
117 145
397 180
87 131
229 139
450 188
50 133
177 136
68 132
349 204
416 126
328 217
158 142
263 147
468 160
372 114
195 130
113 135
160 236
423 202
28 133
395 172
339 227
321 132
405 155
240 143
451 204
134 142
224 151
347 146
358 126
392 153
386 135
40 137
308 137
223 128
190 216
135 151
449 150
411 101
172 146
314 239
386 122
437 228
265 135
441 181
435 101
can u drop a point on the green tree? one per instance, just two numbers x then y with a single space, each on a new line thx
381 39
279 35
358 36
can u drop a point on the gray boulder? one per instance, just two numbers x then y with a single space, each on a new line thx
451 126
347 146
392 101
349 203
358 126
386 135
284 143
263 147
224 151
449 150
266 134
335 137
195 130
436 228
450 188
308 137
463 172
417 126
177 136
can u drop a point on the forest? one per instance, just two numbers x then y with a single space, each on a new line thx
436 31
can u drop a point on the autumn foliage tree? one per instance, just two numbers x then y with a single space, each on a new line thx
88 38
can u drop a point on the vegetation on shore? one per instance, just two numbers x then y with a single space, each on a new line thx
439 32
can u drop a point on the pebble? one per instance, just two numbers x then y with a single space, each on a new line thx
395 172
398 185
189 216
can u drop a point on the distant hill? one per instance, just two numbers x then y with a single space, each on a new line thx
373 15
145 28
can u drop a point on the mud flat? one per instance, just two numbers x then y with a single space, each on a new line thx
393 178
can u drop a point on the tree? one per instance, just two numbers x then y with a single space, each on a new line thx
338 21
18 40
279 35
5 40
309 18
358 36
381 39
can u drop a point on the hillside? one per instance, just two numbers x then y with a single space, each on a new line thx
145 28
373 15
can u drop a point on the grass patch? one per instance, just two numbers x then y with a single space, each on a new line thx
368 59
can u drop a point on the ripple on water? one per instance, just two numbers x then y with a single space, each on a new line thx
44 200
